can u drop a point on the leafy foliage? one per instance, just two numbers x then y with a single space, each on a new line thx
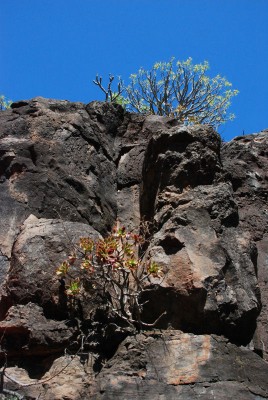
4 103
179 89
112 269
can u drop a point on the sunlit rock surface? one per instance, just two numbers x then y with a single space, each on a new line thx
69 170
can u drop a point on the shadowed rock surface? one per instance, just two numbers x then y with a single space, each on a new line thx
175 365
69 170
246 160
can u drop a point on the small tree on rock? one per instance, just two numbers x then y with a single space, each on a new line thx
180 89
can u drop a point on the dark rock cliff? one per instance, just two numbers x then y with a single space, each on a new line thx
69 170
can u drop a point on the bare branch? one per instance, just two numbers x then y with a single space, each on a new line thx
110 96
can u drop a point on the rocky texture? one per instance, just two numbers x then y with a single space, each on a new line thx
41 245
246 160
158 365
209 260
69 170
174 365
26 331
67 378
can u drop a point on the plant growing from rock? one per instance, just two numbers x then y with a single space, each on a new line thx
112 269
113 97
180 89
4 103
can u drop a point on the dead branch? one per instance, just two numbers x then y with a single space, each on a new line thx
109 94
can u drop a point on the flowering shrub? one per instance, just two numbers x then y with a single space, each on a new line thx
112 268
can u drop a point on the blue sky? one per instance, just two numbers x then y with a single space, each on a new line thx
54 48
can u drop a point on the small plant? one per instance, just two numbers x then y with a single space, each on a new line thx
4 103
113 269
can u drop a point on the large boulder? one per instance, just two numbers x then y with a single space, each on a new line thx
209 261
40 247
57 162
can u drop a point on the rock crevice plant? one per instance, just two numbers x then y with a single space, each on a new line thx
114 270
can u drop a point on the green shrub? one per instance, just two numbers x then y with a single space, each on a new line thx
180 89
112 269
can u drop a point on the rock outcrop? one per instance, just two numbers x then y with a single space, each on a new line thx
69 170
181 366
246 160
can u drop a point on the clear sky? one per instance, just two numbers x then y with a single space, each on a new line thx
54 48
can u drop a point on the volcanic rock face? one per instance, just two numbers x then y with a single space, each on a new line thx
246 160
199 242
69 170
181 366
